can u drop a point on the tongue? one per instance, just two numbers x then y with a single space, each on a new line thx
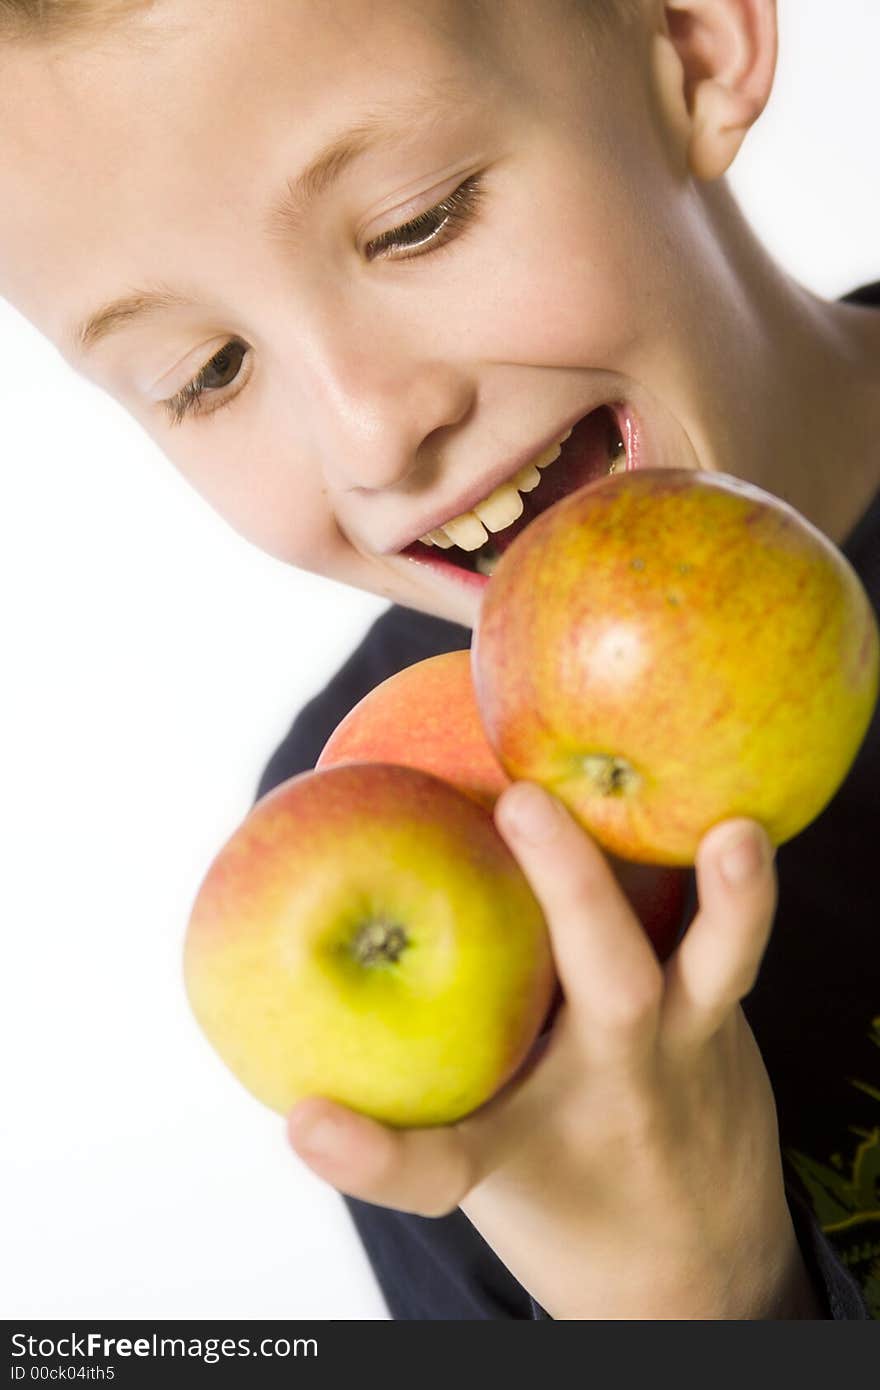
584 458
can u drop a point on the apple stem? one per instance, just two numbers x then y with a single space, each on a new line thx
378 941
610 776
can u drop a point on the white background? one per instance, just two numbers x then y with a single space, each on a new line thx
153 660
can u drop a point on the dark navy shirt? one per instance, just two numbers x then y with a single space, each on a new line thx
815 1012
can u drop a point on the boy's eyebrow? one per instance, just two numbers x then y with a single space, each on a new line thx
387 123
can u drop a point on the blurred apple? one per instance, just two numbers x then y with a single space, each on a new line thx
366 935
424 716
665 649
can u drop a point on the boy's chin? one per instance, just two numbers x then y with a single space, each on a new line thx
463 610
407 584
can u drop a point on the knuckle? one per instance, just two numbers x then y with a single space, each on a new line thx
745 981
746 974
633 1003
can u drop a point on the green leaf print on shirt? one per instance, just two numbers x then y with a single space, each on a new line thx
847 1203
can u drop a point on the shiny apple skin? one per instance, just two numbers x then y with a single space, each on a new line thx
269 963
666 649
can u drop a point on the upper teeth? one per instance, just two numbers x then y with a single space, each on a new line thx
470 530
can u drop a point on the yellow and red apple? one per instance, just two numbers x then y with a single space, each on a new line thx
366 935
667 649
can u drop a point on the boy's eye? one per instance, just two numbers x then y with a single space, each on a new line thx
431 229
221 370
427 232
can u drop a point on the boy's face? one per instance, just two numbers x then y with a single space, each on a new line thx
375 381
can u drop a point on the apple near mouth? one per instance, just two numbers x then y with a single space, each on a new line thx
671 648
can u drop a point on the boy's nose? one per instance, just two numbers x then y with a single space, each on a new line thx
375 409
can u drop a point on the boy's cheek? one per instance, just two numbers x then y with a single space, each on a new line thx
258 486
272 495
587 277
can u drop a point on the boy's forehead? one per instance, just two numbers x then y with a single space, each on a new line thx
165 66
171 108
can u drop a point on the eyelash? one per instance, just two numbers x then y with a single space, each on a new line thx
435 227
428 232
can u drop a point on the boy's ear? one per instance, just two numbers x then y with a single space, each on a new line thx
725 52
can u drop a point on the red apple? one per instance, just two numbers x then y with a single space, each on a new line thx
666 649
366 934
426 716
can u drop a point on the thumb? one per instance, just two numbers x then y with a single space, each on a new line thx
425 1171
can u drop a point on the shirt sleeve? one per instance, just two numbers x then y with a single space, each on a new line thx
839 1294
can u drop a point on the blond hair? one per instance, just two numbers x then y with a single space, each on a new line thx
66 19
62 19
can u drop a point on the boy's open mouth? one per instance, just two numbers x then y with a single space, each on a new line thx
600 443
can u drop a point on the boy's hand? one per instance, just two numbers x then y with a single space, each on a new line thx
633 1170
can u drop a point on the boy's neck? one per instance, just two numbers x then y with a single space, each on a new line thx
795 406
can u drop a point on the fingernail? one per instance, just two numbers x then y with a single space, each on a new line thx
531 814
322 1138
744 857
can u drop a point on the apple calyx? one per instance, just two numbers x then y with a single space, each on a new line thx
609 775
378 942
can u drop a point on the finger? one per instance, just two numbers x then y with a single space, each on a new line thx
426 1171
607 967
717 961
